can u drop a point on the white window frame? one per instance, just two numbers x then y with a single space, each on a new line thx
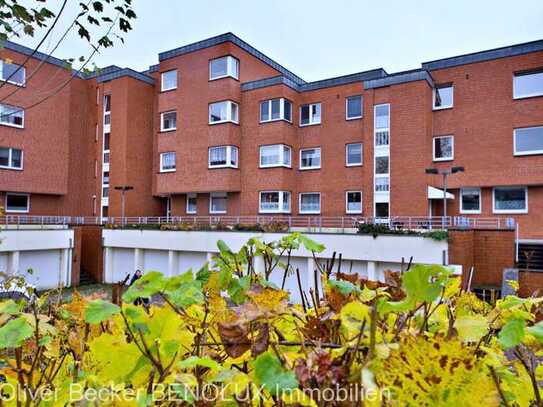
494 210
164 130
10 160
314 167
17 126
228 164
229 118
521 153
471 211
187 210
280 203
347 117
529 95
347 202
451 158
306 212
230 68
347 155
21 68
17 211
282 155
217 195
312 122
434 107
281 110
161 161
162 75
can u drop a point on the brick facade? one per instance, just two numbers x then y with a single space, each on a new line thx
63 138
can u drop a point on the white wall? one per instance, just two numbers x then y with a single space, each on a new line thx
48 252
174 252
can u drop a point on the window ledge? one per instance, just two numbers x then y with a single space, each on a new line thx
310 124
442 108
216 78
2 167
275 120
219 167
468 212
217 212
437 160
167 130
354 118
165 171
276 166
528 153
16 126
309 168
275 212
353 212
536 95
167 90
354 165
223 122
309 213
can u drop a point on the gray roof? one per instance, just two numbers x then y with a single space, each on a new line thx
229 37
400 77
488 55
118 73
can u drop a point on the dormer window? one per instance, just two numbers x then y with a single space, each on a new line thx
224 67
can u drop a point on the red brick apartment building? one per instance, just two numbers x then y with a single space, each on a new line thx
217 127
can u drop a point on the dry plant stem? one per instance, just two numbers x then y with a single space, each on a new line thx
498 386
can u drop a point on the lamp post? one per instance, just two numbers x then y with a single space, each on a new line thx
123 189
445 173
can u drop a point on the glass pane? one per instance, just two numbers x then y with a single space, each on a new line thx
510 198
219 67
4 157
354 154
11 115
443 147
106 141
169 80
354 106
107 103
310 203
286 201
217 156
234 67
528 85
234 156
191 204
16 158
288 110
12 73
471 199
169 120
311 158
354 201
264 111
286 155
316 113
17 202
168 161
218 204
235 110
269 201
381 116
381 165
381 210
276 109
529 140
443 97
217 112
304 114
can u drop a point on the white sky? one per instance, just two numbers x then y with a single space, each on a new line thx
318 39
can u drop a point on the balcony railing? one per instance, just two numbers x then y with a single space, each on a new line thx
319 223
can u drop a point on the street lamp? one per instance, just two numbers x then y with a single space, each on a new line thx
445 173
123 189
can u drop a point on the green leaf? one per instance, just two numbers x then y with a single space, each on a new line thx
424 283
149 284
344 287
99 310
270 373
10 307
196 361
512 333
311 245
223 248
238 288
536 330
203 274
14 333
186 294
471 328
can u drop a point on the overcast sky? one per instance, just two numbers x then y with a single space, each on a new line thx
318 39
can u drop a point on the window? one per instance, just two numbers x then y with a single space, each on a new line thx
353 202
274 202
353 154
443 97
381 165
382 125
168 80
224 67
528 140
105 180
12 116
17 203
217 202
310 158
310 114
167 162
106 141
310 202
107 110
192 207
353 107
510 200
276 155
382 184
168 121
470 200
223 156
11 158
12 73
443 148
275 109
381 210
222 112
528 84
105 192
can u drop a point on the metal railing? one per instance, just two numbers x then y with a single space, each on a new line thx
312 222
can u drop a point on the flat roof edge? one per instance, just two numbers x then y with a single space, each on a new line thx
116 74
399 78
